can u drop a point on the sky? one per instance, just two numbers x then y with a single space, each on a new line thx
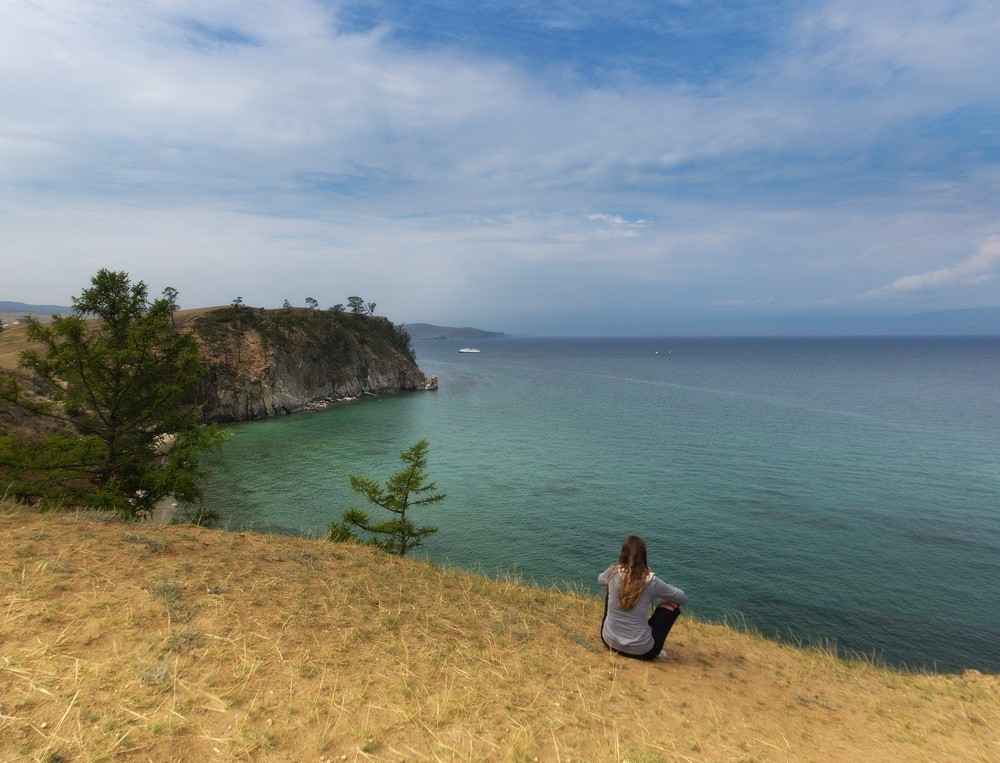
549 168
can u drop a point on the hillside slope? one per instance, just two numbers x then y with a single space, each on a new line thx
131 642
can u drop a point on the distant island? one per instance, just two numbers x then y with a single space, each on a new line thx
430 331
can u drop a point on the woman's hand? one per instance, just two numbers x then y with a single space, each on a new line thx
669 605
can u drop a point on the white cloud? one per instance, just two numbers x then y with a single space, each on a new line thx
742 302
973 271
940 46
619 227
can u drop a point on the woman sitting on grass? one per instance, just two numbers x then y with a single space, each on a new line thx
632 587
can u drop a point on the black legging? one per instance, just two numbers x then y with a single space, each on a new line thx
661 621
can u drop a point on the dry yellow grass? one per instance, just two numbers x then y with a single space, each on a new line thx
14 339
131 642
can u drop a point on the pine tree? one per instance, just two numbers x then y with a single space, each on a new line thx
403 491
123 381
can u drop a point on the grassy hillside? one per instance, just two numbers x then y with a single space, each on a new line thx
13 339
135 642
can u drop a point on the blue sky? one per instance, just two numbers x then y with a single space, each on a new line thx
549 168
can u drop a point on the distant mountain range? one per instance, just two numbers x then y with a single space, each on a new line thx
981 321
429 331
24 309
13 311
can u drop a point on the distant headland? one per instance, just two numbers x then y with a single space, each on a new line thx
430 331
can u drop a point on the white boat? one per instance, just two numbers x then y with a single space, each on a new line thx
470 349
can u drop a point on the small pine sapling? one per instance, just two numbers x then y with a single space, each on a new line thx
404 490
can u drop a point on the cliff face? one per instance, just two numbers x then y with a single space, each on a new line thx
271 362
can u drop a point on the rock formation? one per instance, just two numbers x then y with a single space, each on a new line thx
272 362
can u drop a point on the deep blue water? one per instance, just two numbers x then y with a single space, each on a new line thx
823 489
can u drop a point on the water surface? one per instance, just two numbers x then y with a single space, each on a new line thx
843 489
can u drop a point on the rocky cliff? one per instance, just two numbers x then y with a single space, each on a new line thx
271 362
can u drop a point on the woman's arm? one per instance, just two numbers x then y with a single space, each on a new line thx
603 577
668 593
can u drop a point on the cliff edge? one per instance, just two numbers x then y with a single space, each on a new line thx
266 363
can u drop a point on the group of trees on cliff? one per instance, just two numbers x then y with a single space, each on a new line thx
336 324
117 377
356 304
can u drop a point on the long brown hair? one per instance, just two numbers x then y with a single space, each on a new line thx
634 571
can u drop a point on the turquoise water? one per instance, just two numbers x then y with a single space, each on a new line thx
843 489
